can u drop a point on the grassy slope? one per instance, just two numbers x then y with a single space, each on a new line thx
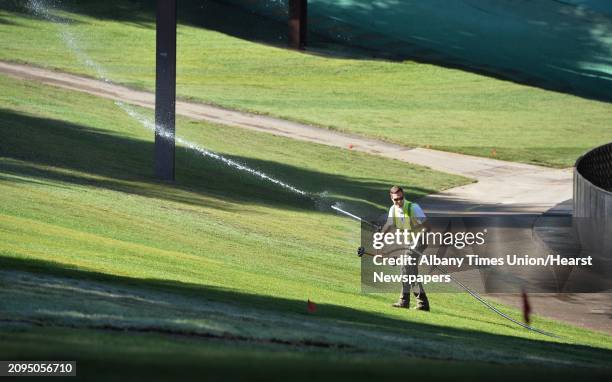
77 191
189 359
408 103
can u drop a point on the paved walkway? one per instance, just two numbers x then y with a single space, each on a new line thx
501 186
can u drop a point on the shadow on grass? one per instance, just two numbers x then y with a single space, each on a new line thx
62 151
456 339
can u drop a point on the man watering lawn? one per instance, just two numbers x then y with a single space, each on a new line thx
405 215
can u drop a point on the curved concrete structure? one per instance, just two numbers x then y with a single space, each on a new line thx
593 204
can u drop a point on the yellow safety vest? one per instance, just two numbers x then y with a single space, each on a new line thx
407 223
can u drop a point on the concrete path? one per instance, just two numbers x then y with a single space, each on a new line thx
501 186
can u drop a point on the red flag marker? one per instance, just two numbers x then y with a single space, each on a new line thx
526 308
312 307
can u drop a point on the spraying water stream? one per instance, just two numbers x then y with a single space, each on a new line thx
148 123
43 10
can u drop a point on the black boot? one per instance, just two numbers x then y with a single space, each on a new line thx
403 302
422 303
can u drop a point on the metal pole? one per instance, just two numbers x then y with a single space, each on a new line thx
165 90
298 23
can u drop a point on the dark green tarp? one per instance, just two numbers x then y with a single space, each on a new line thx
564 45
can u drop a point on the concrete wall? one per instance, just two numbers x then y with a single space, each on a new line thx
593 184
593 205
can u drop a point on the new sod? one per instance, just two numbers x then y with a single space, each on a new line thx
81 216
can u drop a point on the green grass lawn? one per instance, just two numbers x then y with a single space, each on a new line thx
99 261
405 102
189 359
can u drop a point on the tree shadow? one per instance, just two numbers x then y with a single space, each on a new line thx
4 21
456 339
61 151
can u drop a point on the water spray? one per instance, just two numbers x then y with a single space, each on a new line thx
39 8
150 125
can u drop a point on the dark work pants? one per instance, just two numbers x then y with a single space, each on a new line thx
415 287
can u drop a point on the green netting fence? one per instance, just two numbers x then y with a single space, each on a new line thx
564 45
